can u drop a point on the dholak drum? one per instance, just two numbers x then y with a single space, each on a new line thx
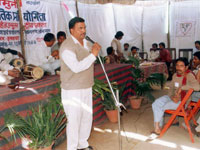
18 63
33 72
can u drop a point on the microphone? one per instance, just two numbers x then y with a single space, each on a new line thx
89 39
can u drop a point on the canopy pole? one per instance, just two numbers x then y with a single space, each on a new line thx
21 30
168 28
77 12
142 31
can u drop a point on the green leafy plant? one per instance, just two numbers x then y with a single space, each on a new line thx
156 79
103 59
42 126
142 86
132 60
102 88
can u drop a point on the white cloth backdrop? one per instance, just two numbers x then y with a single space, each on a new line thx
104 20
154 25
128 19
189 13
100 23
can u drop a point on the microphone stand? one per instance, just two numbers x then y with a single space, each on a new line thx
116 99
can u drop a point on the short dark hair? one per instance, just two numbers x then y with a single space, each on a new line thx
49 37
61 33
119 34
75 20
197 54
132 48
197 42
155 44
184 60
109 50
126 44
163 44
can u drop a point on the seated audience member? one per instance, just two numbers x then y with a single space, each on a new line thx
197 46
42 56
154 52
134 53
7 72
111 58
182 80
117 45
61 36
165 56
196 95
126 51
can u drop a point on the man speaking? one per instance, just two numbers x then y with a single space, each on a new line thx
77 71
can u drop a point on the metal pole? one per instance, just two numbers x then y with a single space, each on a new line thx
119 123
21 30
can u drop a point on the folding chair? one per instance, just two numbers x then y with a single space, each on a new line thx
180 111
195 107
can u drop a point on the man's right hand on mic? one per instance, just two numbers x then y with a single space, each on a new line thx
95 49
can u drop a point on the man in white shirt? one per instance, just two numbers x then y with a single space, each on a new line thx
197 46
77 75
61 36
117 45
154 52
41 56
126 51
7 72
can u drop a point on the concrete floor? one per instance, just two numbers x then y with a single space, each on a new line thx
136 128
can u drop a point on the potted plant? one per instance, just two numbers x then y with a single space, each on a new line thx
102 88
143 86
41 127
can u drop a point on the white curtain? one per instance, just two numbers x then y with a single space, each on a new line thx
154 25
69 12
100 23
128 19
185 14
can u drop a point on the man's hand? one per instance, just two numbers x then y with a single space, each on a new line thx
20 55
198 76
95 49
14 73
55 54
177 96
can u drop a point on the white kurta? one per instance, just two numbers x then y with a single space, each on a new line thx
44 59
77 103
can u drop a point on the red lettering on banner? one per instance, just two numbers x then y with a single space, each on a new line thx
13 38
29 25
9 3
2 38
9 25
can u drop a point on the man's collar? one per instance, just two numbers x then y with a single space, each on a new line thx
77 42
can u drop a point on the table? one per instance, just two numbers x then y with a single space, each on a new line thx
29 95
155 67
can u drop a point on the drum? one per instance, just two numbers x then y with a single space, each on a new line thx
18 63
33 72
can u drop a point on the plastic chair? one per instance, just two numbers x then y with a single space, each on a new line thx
180 111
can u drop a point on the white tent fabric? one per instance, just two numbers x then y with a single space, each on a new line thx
184 14
144 20
154 25
128 19
100 23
